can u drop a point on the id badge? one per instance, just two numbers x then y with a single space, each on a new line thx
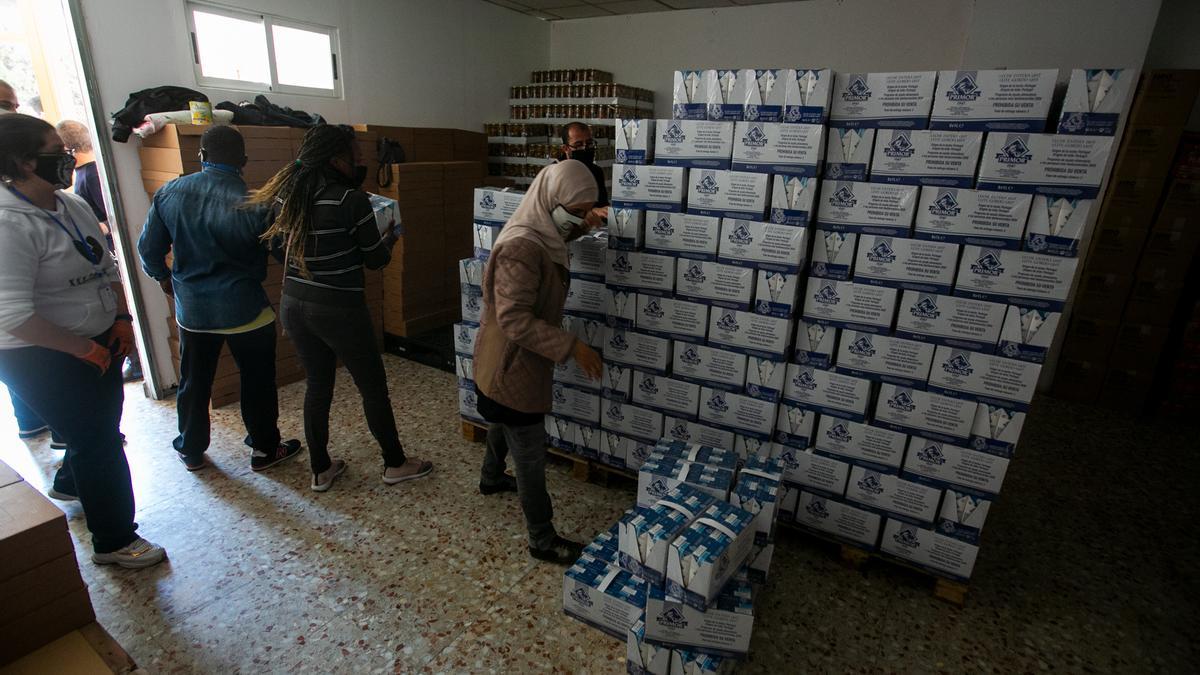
108 299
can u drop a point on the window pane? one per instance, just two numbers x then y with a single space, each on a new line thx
232 49
302 58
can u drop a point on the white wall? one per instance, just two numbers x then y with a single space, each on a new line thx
445 63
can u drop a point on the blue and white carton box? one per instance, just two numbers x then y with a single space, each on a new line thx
470 275
655 188
662 473
983 377
464 367
750 333
494 206
952 466
1015 277
925 548
726 94
742 413
682 235
673 397
589 329
979 217
642 351
708 552
993 100
816 473
883 100
1096 99
721 457
764 378
589 440
614 449
816 344
710 366
833 254
885 359
630 420
728 194
561 433
685 662
617 382
633 144
626 229
723 630
923 157
695 144
645 658
484 238
809 103
713 283
689 94
929 414
963 514
844 522
792 199
468 401
578 404
751 243
867 208
766 93
472 307
997 429
774 147
777 294
748 447
794 425
950 320
603 596
845 304
891 494
910 264
645 533
1027 333
464 338
644 272
620 307
671 317
848 153
1058 165
827 392
586 297
585 257
757 492
680 430
1056 225
861 444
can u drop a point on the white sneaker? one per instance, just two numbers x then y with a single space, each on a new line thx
321 482
135 556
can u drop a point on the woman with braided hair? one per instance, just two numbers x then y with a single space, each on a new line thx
325 228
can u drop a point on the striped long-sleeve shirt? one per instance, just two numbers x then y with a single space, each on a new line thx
342 239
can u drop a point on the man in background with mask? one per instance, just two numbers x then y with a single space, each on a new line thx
577 144
219 265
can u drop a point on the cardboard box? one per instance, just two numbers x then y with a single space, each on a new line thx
827 392
815 344
1130 202
645 534
794 425
697 144
603 596
818 474
689 94
1027 333
963 514
774 147
586 297
848 153
921 157
715 456
1095 99
983 377
845 304
1152 302
727 194
589 329
764 378
587 258
1078 380
484 240
723 630
617 382
787 95
792 199
747 415
623 452
1091 339
926 413
578 404
993 100
643 272
834 517
885 359
662 473
464 367
1015 277
472 307
715 284
626 228
633 141
33 531
495 207
632 421
766 246
867 208
672 318
1165 97
929 550
1049 164
910 264
1147 151
712 367
1138 346
1116 249
1056 225
644 658
24 634
561 433
860 444
1099 294
726 94
8 476
708 552
672 397
620 307
32 589
749 333
642 351
833 254
882 100
682 234
655 188
893 495
588 439
943 465
777 294
992 219
687 431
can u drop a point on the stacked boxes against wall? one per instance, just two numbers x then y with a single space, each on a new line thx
173 152
1137 266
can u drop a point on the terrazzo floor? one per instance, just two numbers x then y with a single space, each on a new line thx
1089 561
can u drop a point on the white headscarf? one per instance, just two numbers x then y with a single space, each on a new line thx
565 183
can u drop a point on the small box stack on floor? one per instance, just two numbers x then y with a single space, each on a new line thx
1144 243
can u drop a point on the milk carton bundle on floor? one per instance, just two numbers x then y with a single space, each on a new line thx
723 630
708 552
603 596
757 492
662 473
645 534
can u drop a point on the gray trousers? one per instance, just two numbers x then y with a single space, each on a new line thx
527 447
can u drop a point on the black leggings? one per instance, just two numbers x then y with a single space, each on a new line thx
323 334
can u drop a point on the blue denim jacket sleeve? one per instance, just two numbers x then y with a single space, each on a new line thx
154 244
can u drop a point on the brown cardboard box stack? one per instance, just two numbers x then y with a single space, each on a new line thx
41 590
1143 245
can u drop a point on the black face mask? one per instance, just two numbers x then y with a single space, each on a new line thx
56 168
585 155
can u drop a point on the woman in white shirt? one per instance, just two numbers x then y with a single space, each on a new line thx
63 326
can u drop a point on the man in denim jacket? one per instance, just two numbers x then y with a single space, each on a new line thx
216 276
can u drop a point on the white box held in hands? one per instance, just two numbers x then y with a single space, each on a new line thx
1056 225
765 246
1050 164
921 157
863 444
950 320
827 392
845 304
1095 99
773 147
926 413
656 188
992 219
883 100
993 100
1027 333
728 194
983 377
792 199
634 144
867 208
848 153
696 144
846 523
911 264
682 235
833 254
928 549
713 283
885 359
1015 277
750 333
712 367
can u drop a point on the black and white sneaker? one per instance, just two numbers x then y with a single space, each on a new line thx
57 444
560 552
26 434
135 556
192 463
260 461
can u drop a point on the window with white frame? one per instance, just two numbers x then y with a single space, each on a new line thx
236 49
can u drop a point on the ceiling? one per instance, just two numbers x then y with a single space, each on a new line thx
554 10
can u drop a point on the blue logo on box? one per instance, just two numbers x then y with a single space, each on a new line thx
840 433
906 538
708 186
816 508
694 273
926 308
629 179
843 197
1014 152
1036 242
649 386
717 403
858 91
902 401
932 454
964 89
755 137
805 380
580 595
900 147
728 322
870 484
882 252
862 346
621 264
691 356
674 134
945 205
680 431
789 459
653 309
657 489
988 264
741 235
827 295
958 364
614 413
662 227
487 202
618 342
672 618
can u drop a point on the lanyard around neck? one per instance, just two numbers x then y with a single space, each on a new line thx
80 242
